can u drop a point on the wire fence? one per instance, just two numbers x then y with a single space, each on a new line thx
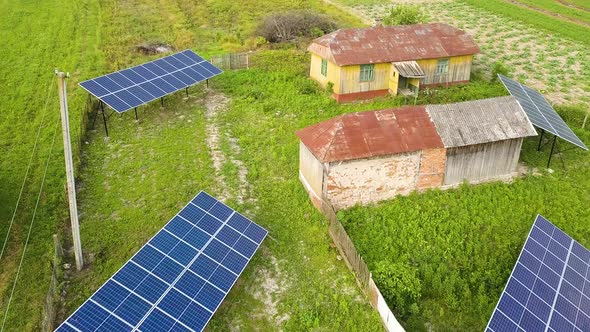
52 298
232 61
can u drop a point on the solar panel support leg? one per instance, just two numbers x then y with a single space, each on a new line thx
104 119
551 153
162 101
207 82
135 109
186 92
540 140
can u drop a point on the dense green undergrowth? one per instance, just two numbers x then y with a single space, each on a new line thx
459 246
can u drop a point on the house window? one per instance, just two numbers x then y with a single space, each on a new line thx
367 72
324 69
442 67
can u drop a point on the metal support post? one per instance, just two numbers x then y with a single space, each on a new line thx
186 92
65 125
135 109
207 82
540 140
104 119
162 101
551 153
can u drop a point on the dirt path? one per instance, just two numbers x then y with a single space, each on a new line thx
269 282
573 5
214 103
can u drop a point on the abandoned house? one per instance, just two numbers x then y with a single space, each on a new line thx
366 157
364 63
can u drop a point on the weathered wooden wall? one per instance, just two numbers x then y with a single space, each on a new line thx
482 162
311 172
459 70
332 74
350 79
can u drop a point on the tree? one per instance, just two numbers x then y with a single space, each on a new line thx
404 15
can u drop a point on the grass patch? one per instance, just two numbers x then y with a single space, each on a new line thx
36 37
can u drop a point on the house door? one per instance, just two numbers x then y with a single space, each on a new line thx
403 82
393 80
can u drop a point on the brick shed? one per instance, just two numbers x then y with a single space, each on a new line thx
366 157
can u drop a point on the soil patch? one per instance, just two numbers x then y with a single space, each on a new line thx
155 48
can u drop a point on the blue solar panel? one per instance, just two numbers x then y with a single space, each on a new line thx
178 279
549 288
540 112
141 84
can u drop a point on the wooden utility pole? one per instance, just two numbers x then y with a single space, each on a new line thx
65 125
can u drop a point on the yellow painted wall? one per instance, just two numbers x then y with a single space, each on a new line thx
332 75
350 79
393 81
415 82
459 70
346 79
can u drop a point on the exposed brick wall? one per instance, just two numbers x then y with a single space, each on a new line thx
366 181
432 168
349 97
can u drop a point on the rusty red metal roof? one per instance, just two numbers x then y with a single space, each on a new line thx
393 43
371 134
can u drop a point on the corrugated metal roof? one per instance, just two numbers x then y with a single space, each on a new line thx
393 44
371 134
480 121
409 69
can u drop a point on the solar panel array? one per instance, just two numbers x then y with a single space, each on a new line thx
540 112
135 86
549 289
179 278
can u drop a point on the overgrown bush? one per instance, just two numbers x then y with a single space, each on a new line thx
400 286
499 68
404 15
282 27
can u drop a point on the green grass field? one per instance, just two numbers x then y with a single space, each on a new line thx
37 37
555 7
131 183
538 20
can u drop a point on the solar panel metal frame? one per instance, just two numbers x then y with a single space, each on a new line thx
157 76
186 268
543 284
540 112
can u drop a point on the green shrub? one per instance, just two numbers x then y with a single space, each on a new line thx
499 68
399 285
282 27
404 15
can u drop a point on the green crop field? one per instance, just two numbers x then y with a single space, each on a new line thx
556 8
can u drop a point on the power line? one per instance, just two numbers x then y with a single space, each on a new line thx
30 227
28 168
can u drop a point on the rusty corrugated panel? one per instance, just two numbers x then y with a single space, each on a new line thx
371 134
396 43
409 69
480 121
